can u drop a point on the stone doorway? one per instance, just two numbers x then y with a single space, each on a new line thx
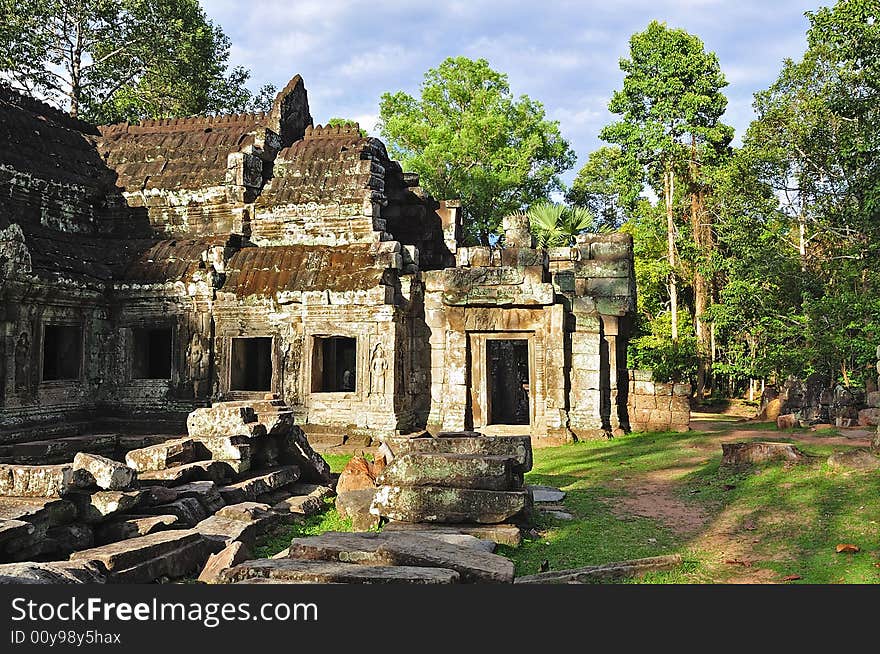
251 364
507 381
504 382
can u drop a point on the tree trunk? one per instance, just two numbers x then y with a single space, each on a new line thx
76 70
703 239
668 190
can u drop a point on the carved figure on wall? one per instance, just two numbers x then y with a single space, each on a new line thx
198 361
2 370
378 368
22 369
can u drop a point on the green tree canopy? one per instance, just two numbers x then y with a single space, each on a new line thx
469 138
609 185
113 60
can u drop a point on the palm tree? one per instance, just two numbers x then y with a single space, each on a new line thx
556 225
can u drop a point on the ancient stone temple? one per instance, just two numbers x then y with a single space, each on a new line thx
150 269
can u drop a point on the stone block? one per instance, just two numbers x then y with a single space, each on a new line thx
502 534
402 548
258 483
148 558
295 571
233 554
439 504
452 470
100 506
38 480
133 526
222 420
53 572
104 473
517 447
162 456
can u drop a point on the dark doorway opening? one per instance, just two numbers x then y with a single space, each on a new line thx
62 352
251 364
151 358
334 365
507 369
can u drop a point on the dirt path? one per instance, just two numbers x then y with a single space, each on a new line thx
727 536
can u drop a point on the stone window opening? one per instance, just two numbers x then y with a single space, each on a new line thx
251 364
62 352
334 364
507 368
151 354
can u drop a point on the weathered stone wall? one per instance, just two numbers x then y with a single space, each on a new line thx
657 406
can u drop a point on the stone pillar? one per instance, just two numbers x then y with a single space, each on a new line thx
517 232
610 329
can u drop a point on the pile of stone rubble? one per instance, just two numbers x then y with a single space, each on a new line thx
242 469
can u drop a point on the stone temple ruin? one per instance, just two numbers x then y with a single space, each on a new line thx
150 269
293 282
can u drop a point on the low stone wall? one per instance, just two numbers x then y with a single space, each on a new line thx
657 406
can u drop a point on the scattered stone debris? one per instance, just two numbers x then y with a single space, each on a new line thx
856 459
736 454
605 572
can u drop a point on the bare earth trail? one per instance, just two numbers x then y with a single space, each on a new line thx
728 535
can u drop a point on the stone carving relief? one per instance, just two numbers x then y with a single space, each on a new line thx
22 367
197 357
378 369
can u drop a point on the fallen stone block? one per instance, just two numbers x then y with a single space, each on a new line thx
758 452
231 555
50 511
246 511
516 447
10 529
787 421
219 472
103 472
606 572
546 494
860 459
188 510
438 504
53 572
358 474
132 527
39 480
206 492
258 483
145 559
355 506
460 540
294 448
220 531
70 538
165 455
452 470
234 450
57 450
315 490
295 571
407 549
305 505
224 420
99 506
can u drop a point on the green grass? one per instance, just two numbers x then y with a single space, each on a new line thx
792 517
279 539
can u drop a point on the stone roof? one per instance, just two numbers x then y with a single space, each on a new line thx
192 153
49 144
265 271
333 164
173 260
179 153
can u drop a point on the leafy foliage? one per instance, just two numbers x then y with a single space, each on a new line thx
469 138
556 225
115 60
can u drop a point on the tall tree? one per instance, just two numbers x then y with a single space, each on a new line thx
816 144
112 60
671 104
469 138
608 185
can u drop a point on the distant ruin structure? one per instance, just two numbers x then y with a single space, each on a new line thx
150 269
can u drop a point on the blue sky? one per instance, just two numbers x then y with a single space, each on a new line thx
563 53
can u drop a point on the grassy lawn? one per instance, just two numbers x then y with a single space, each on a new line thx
761 523
789 518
